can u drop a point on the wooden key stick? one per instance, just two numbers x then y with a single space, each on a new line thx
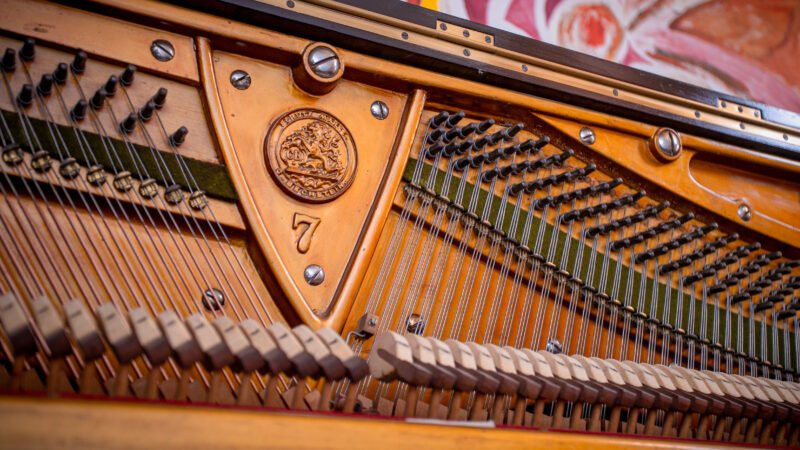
595 373
332 368
461 380
153 343
510 382
749 396
303 363
185 350
54 332
276 361
423 353
650 386
391 359
216 354
20 334
123 343
562 372
730 390
87 336
790 391
551 386
246 358
665 388
485 365
356 367
524 369
464 359
777 397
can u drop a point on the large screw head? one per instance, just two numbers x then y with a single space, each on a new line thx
666 144
744 212
587 135
324 62
213 299
320 68
314 275
162 50
553 346
379 110
240 79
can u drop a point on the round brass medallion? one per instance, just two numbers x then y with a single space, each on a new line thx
311 155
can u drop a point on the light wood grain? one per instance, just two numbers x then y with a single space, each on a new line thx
128 425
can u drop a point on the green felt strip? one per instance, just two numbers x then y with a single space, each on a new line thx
638 301
211 178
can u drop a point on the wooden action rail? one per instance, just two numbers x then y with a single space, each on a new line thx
232 354
585 394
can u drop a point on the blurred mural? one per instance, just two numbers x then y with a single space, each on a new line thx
748 48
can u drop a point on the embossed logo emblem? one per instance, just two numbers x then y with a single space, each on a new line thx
311 155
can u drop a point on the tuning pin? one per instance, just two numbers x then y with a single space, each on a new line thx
25 96
160 98
773 256
450 149
98 99
111 86
453 120
707 229
60 74
45 86
467 130
178 136
438 119
79 62
79 110
563 157
730 238
9 61
451 134
485 125
465 146
127 75
432 150
28 50
513 131
127 126
146 112
435 135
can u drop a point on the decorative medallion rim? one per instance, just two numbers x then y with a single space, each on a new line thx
276 139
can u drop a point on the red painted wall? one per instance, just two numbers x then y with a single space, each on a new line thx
748 48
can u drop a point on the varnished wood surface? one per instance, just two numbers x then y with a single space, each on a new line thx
127 425
461 93
95 34
183 107
710 188
224 212
338 242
